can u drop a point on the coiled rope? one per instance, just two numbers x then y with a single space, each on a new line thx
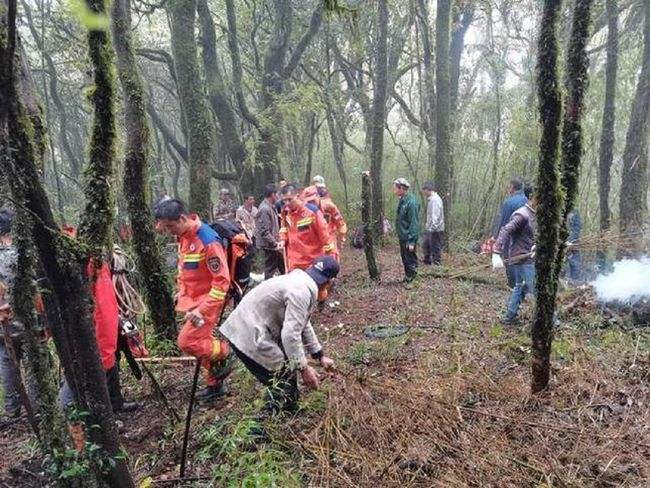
128 299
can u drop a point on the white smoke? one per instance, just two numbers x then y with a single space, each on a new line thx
628 282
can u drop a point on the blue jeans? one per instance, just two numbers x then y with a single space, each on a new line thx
524 275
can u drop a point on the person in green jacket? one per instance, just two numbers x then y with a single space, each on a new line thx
408 227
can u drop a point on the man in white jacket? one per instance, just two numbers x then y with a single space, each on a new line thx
434 227
270 332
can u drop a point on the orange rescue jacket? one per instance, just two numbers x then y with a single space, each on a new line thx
203 277
305 234
335 222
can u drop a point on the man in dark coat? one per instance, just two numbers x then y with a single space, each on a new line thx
408 227
267 228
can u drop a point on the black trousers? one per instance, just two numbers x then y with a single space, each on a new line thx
409 260
273 261
281 386
432 247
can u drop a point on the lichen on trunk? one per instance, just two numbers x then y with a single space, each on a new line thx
549 195
157 287
193 103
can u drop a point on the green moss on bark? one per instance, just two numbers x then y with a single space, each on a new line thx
200 130
98 216
549 195
577 63
157 286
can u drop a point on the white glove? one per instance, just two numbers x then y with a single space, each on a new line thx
532 251
497 262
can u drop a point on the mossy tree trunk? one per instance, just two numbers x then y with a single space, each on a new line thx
577 63
634 185
443 169
39 361
378 119
366 217
200 129
158 293
62 260
96 221
609 115
217 93
550 197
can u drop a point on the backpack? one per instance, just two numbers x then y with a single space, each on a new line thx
237 246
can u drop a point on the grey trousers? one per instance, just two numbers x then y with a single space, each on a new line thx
10 376
66 396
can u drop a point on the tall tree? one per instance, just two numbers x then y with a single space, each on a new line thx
634 183
463 16
550 198
443 170
277 67
577 63
217 92
609 115
63 261
158 293
39 360
200 130
368 239
379 90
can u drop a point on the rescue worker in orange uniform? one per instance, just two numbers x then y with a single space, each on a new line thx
335 221
203 287
303 232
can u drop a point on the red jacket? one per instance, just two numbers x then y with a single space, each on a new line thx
305 234
106 315
203 278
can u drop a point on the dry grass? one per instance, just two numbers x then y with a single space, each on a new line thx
452 407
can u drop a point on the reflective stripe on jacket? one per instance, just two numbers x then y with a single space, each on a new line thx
203 278
306 236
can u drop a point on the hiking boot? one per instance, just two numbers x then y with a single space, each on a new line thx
221 369
212 393
510 323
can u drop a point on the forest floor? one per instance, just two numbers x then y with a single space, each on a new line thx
445 404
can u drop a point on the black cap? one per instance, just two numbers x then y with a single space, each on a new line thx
323 269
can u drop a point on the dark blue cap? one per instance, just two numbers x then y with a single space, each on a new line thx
323 269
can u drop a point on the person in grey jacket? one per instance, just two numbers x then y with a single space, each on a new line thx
267 227
271 333
434 226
